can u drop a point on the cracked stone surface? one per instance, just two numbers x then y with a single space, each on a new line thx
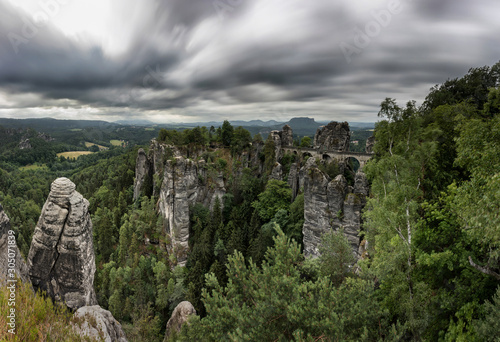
61 259
330 204
97 323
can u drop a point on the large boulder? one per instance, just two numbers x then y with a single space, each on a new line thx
12 264
61 259
95 322
333 137
180 315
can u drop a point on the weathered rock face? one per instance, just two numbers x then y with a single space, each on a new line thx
142 171
275 136
181 189
45 137
180 316
97 323
24 144
333 137
361 185
293 180
61 259
330 205
253 158
277 172
286 136
370 142
12 264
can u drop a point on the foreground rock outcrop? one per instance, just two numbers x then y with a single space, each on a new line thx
180 315
61 259
12 264
98 323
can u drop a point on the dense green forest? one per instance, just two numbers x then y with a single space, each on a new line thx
432 268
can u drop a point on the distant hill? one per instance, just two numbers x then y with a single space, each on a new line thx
136 122
49 124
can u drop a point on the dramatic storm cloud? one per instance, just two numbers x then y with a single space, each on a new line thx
201 60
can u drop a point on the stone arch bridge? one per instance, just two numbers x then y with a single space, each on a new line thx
361 157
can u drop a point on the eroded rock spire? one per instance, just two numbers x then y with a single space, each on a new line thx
61 259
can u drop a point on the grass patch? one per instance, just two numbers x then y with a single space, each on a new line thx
34 167
117 142
76 130
36 318
149 129
73 154
101 148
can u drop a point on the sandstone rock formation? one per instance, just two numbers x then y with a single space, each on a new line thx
275 136
180 190
330 205
333 137
286 136
142 171
10 257
97 323
179 316
61 259
277 172
24 144
369 144
293 180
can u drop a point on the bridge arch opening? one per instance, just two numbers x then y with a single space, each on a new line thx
306 155
353 163
326 158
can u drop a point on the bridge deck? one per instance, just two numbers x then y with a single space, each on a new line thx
316 151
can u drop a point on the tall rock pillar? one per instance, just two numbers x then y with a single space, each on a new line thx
61 259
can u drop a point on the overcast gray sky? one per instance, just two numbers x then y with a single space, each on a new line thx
202 60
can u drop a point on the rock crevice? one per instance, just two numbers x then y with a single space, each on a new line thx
61 259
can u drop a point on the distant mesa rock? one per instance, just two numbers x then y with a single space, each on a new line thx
25 144
370 142
10 257
333 137
61 259
98 323
180 315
